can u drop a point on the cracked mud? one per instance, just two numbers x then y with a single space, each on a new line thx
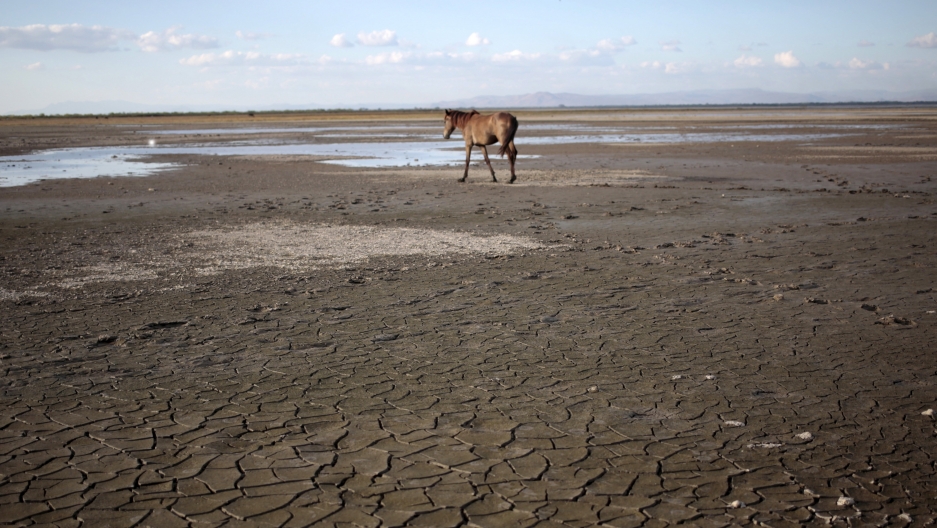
635 336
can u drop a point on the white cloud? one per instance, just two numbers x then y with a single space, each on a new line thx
865 44
673 67
340 41
670 45
669 67
467 56
171 39
34 66
394 57
250 35
580 55
252 58
477 40
747 61
924 41
378 38
74 37
859 64
516 55
615 44
786 59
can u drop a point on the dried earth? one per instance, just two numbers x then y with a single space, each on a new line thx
633 335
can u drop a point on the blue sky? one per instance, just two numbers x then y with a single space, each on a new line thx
260 54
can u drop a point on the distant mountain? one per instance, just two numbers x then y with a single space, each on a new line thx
694 97
533 100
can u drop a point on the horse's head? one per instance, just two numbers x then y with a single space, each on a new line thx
448 126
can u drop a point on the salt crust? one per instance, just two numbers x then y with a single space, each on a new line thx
287 245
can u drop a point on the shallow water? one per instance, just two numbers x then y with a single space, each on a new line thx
252 130
385 149
73 163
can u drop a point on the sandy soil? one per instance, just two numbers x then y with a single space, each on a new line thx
650 334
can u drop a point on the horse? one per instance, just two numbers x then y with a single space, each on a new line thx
482 130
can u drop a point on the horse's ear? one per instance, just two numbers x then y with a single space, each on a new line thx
447 111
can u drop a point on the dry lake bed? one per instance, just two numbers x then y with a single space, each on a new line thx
675 316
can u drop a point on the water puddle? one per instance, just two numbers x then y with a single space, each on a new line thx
283 130
380 147
73 163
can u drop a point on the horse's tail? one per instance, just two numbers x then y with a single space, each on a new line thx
508 144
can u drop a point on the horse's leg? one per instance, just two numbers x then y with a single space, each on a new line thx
488 161
512 155
468 154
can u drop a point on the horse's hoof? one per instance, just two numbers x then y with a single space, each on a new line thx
512 180
461 180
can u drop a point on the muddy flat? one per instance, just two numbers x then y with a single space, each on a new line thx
706 316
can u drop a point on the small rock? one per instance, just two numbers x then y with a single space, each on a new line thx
810 492
710 377
592 388
384 337
736 504
892 319
906 517
106 338
807 435
845 501
928 412
676 377
734 423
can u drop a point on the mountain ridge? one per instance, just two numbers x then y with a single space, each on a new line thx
529 100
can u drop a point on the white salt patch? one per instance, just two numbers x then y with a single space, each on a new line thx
736 504
807 435
676 377
291 245
845 501
710 377
286 245
109 273
928 412
906 517
12 295
733 423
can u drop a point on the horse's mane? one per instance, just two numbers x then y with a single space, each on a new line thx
459 118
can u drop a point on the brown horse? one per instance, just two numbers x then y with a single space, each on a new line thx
482 130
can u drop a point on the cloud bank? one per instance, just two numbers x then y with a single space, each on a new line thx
72 37
171 39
